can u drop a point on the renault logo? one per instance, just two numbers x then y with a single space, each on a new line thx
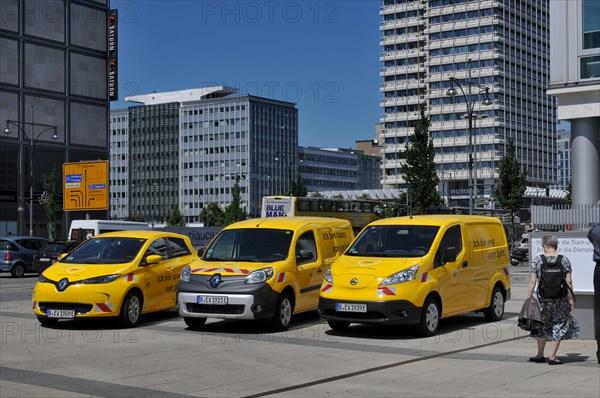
215 280
62 284
353 281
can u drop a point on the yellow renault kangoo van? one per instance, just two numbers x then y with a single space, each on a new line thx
265 268
418 270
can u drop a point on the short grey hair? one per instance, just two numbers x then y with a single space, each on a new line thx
550 240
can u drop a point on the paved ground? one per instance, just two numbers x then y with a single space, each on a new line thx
469 358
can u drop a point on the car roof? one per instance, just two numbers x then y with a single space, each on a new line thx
435 220
144 234
289 222
19 237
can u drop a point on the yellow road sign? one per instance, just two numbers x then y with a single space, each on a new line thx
85 185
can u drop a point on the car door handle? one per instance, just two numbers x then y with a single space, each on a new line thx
320 270
465 264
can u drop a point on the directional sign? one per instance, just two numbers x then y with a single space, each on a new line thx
85 185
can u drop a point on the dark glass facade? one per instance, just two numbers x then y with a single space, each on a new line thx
52 73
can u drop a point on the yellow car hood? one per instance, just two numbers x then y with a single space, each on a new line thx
75 272
360 272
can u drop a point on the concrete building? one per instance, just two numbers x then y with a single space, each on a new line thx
563 145
494 55
326 169
53 79
575 81
188 148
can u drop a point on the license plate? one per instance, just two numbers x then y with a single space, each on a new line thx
344 307
215 300
60 313
44 259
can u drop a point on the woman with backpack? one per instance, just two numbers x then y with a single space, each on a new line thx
551 273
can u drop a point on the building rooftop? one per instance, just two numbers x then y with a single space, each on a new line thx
183 96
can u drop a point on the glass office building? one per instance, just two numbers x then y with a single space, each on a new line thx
188 148
501 47
53 72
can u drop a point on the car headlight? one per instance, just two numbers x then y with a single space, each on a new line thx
102 279
402 276
43 279
259 276
186 273
328 277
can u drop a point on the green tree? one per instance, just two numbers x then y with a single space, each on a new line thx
511 185
212 215
48 201
419 168
176 218
365 196
234 211
299 187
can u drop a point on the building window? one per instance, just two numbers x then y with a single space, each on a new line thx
591 24
590 67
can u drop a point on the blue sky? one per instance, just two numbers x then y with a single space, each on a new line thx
323 55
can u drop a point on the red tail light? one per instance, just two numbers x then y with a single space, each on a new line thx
7 256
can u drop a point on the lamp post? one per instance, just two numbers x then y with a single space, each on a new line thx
32 142
470 107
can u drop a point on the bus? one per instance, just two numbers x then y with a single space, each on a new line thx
85 229
358 211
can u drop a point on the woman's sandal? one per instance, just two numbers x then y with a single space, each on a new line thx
554 362
537 359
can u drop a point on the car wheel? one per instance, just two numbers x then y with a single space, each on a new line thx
194 323
430 317
339 325
131 309
496 309
283 312
18 270
47 321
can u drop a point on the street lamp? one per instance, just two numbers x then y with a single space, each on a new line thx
32 141
452 92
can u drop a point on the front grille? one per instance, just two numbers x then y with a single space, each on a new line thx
78 307
233 309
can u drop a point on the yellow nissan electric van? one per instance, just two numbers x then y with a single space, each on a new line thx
265 268
417 270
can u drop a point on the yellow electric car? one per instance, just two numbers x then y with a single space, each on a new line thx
116 274
265 268
417 270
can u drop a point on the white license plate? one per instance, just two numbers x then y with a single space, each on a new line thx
345 307
215 300
44 259
60 313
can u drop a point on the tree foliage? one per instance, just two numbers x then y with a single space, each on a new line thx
212 215
48 201
234 211
299 187
176 218
511 184
418 170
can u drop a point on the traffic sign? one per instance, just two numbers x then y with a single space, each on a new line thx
85 185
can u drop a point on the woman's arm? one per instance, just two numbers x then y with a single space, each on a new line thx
532 281
571 297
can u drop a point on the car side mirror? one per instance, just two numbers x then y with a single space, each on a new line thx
153 259
449 255
304 255
201 251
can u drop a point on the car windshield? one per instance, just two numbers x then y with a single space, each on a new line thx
105 251
54 248
394 241
255 245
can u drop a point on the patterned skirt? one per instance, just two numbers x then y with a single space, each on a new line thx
559 324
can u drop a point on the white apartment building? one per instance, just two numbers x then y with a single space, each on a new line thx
563 146
187 148
575 81
497 54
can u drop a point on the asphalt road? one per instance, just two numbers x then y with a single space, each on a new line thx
162 357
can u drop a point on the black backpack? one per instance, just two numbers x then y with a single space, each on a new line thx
552 283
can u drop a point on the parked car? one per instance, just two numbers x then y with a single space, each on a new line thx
49 254
114 275
16 253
